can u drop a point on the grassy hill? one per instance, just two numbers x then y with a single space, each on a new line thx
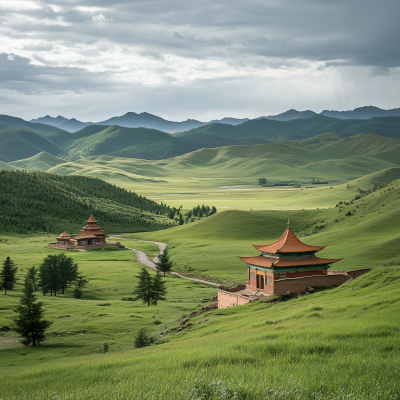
19 143
335 344
364 232
129 142
38 201
325 158
41 162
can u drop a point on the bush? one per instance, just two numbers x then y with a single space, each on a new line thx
106 346
262 181
77 293
143 338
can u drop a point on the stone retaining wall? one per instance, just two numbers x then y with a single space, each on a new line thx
227 299
301 285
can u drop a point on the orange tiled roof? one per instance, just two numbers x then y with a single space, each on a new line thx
287 243
85 237
91 219
64 235
94 226
268 262
92 232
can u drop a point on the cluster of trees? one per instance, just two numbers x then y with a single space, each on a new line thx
55 273
262 181
149 289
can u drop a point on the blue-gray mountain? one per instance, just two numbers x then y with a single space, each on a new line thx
134 120
146 120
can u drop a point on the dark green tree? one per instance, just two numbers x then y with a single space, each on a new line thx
49 275
164 264
158 288
262 181
30 323
181 221
8 275
33 276
213 210
81 281
68 271
144 289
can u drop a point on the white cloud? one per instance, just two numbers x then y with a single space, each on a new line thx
100 19
11 57
19 5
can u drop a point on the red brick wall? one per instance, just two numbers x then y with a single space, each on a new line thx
226 299
299 285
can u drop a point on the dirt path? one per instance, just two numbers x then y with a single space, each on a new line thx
143 259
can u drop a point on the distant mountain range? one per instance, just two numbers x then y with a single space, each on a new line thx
21 139
366 112
134 120
146 120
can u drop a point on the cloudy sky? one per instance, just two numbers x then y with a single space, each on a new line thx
203 59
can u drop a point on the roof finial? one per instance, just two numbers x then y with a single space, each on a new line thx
288 224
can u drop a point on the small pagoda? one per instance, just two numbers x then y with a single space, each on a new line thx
91 235
288 257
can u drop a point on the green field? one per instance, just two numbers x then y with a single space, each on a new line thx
337 343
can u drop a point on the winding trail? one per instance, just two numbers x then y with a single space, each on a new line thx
143 259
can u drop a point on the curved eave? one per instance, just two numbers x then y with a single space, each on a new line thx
265 262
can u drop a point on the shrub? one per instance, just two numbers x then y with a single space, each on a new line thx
77 293
106 346
143 338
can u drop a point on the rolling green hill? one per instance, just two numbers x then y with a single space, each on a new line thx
39 201
364 232
41 162
336 344
5 166
129 142
19 143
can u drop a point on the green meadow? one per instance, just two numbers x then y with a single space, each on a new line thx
336 343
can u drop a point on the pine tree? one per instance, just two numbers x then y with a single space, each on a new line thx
159 289
8 275
164 264
68 271
32 275
30 323
144 290
181 221
81 281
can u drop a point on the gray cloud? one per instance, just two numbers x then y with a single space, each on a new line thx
180 47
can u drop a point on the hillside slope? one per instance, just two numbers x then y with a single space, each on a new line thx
364 232
19 143
42 202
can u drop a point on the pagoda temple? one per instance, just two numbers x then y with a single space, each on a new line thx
288 257
91 235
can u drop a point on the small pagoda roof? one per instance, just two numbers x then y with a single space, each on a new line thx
269 262
92 219
92 227
64 235
288 243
